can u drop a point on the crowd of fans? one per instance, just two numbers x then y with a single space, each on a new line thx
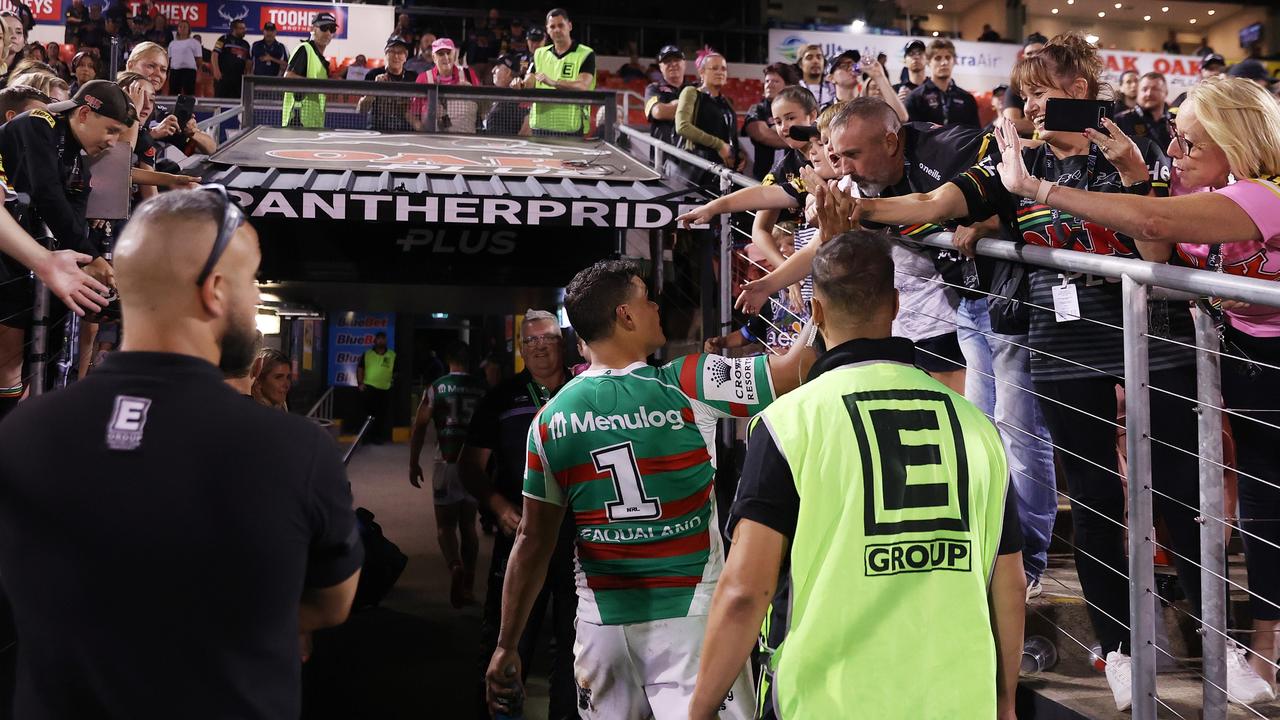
847 158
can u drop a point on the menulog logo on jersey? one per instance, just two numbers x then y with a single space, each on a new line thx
561 427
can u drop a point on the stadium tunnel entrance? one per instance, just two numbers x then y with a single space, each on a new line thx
426 237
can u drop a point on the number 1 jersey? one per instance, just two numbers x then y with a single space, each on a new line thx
630 452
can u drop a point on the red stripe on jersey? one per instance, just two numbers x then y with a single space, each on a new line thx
687 414
679 461
587 472
689 375
738 409
542 432
645 551
616 582
535 462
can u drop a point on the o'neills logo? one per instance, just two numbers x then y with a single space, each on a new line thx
561 426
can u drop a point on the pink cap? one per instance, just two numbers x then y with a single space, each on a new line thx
443 44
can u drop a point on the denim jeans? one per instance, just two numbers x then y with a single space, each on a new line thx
1017 415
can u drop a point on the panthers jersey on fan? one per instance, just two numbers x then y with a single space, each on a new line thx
453 399
630 452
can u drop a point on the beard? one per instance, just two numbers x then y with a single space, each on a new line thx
239 347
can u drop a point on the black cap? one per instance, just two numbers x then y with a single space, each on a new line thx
103 97
324 18
1000 89
853 55
1249 70
669 51
536 34
1212 59
511 61
397 41
269 26
913 46
1036 37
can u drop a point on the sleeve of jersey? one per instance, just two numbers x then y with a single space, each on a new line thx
983 192
539 481
1158 167
588 65
651 99
729 387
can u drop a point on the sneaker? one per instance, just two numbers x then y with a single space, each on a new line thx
1034 589
1243 684
1120 678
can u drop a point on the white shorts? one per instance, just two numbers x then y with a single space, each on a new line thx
446 484
647 670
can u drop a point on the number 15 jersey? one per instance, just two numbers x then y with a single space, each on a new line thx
630 452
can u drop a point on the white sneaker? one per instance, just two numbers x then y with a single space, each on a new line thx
1120 678
1034 589
1243 684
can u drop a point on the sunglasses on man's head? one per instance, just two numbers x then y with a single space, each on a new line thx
231 220
329 28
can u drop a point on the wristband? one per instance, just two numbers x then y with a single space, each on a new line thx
1139 188
1042 192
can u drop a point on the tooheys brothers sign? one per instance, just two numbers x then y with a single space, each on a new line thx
420 208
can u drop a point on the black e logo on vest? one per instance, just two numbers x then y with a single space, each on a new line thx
914 467
567 73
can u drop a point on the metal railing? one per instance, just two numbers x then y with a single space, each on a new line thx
1138 281
323 407
262 100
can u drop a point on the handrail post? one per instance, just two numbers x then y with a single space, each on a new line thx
1137 402
610 129
247 119
726 258
433 108
1213 555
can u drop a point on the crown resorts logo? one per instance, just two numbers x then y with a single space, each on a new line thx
789 46
720 372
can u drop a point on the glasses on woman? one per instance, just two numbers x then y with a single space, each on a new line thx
1185 146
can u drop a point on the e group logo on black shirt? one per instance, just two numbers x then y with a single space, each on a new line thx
128 420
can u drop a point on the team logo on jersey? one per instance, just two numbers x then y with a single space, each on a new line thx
914 465
730 379
128 419
562 425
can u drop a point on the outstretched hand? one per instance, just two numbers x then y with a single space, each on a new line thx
72 285
1012 168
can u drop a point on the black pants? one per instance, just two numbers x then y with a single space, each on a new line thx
377 404
1254 391
559 592
1097 498
227 87
182 81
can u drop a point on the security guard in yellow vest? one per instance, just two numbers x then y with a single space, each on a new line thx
886 491
565 64
308 61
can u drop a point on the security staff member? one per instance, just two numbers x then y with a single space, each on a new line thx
1150 119
499 432
875 559
374 376
231 56
939 100
661 98
219 547
43 156
308 61
565 64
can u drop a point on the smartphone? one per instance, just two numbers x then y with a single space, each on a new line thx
1064 115
110 185
803 133
183 109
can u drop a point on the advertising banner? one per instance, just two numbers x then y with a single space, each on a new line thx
350 334
362 29
979 66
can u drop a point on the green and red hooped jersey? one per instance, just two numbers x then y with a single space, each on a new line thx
630 452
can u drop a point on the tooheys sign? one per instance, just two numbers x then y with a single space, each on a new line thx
418 208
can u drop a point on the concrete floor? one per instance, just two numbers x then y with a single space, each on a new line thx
415 656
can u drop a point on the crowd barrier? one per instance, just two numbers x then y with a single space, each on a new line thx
1139 280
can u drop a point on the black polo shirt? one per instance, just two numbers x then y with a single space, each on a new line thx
655 93
390 114
954 106
40 157
156 534
501 424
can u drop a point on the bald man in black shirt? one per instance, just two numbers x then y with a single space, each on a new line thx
163 542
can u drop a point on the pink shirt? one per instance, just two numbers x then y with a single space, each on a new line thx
419 106
1260 199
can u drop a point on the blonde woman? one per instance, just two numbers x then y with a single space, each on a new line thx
52 85
273 379
1226 162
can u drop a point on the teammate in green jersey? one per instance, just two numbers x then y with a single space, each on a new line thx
448 404
629 449
887 491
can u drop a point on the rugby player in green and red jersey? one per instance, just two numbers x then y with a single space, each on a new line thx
628 448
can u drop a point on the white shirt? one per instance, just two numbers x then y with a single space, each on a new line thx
185 54
355 72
